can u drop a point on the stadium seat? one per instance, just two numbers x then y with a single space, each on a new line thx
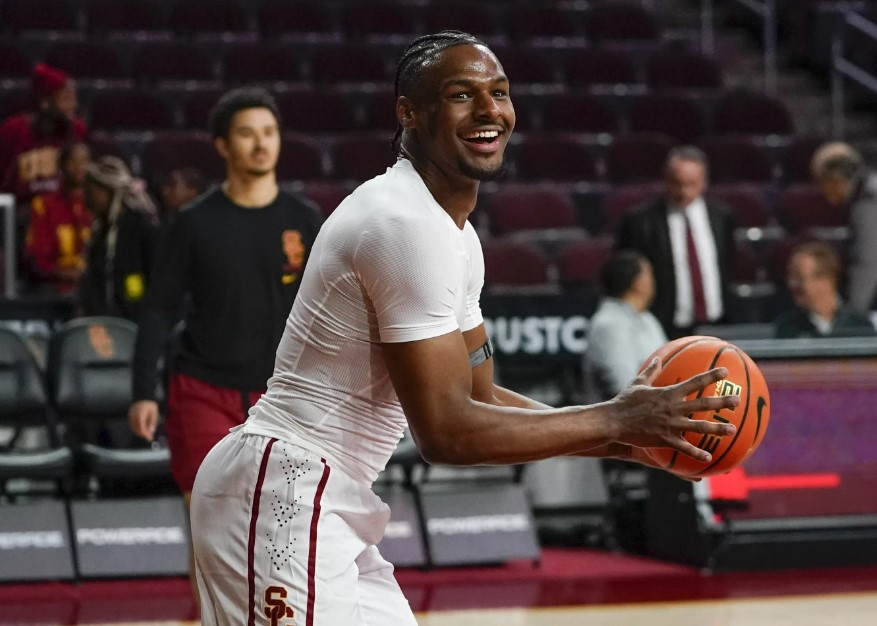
747 264
743 112
797 156
555 157
473 17
737 159
620 22
748 202
579 114
637 157
379 108
327 195
168 151
540 22
579 262
197 106
173 61
621 200
679 117
316 111
130 109
86 60
291 19
668 69
592 67
198 17
38 15
513 208
15 62
260 62
89 371
106 17
301 158
379 19
527 66
348 63
24 404
102 144
514 264
361 157
14 101
802 207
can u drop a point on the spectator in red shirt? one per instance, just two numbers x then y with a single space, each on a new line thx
60 226
30 141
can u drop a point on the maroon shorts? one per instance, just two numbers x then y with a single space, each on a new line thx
198 416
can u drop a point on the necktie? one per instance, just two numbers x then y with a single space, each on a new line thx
696 277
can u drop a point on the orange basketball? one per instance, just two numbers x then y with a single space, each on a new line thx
686 357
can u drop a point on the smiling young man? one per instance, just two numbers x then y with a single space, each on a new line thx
229 251
387 331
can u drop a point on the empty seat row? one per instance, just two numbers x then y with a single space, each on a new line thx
284 18
332 63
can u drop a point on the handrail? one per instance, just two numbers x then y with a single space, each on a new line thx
841 67
766 9
7 205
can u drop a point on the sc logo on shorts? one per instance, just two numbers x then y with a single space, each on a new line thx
275 606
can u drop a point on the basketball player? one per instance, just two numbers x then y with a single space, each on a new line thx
387 327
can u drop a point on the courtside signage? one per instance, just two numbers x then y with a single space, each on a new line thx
34 542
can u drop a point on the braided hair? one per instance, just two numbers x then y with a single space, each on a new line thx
415 59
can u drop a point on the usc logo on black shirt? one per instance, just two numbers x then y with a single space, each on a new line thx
294 249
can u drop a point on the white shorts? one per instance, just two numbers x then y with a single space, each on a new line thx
282 539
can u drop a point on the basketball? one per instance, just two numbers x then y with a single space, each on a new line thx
686 357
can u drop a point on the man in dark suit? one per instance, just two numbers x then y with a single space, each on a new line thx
689 242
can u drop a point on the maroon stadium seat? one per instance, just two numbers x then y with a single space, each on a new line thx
623 199
540 22
109 16
380 110
130 109
750 113
797 156
620 22
590 67
677 116
579 262
515 208
361 157
14 101
749 203
579 114
46 15
103 144
169 151
316 111
86 60
472 17
173 60
190 17
349 63
261 62
526 65
802 207
327 195
197 106
737 160
514 263
379 19
301 158
15 62
637 157
668 69
285 18
555 157
748 267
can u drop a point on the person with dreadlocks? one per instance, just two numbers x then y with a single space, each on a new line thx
123 241
387 332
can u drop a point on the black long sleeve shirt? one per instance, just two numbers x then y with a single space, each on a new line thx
241 268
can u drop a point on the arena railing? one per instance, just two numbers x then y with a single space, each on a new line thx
843 68
7 206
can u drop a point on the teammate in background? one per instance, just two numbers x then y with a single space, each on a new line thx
60 225
238 253
387 327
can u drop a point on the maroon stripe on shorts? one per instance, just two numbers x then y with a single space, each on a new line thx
251 548
312 546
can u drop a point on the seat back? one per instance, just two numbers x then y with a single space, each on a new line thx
22 389
90 367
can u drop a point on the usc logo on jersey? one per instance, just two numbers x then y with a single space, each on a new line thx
275 606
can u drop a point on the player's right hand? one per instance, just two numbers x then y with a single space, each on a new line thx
143 418
658 417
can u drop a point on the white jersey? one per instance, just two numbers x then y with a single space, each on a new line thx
389 265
